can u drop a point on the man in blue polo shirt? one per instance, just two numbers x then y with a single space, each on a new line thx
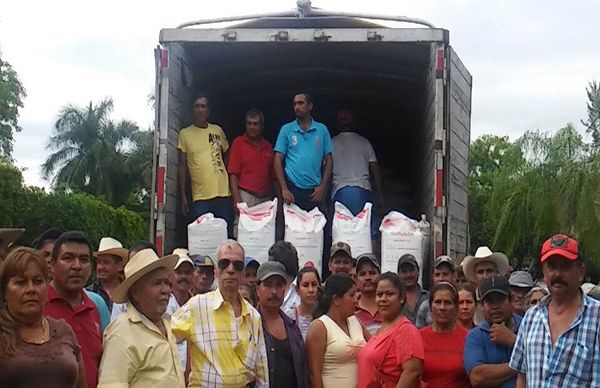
304 146
488 347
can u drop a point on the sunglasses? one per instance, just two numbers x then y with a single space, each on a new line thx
223 264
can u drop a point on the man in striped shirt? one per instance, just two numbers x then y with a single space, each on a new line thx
558 344
224 332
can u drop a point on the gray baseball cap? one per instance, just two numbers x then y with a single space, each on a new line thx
521 279
268 269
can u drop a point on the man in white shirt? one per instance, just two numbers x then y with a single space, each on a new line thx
356 174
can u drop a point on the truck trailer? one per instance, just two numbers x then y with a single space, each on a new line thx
407 87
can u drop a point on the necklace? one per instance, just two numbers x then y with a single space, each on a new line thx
45 337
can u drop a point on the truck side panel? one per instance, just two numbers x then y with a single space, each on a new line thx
175 93
428 150
459 129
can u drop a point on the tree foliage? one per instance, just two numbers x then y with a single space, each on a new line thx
35 210
12 94
525 191
96 155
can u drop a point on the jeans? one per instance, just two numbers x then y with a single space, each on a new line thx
220 207
355 198
302 198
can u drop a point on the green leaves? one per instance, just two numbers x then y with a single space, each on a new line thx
525 191
12 94
93 154
35 210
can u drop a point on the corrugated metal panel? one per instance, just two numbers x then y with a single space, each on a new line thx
458 120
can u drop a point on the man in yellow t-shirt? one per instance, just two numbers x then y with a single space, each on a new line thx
202 146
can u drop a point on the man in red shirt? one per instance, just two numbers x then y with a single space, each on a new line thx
250 168
72 267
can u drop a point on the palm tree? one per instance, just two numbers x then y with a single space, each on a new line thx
90 152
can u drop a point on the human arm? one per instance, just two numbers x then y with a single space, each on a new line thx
490 375
182 178
319 192
521 380
411 373
235 190
477 368
287 196
262 366
119 362
377 181
316 344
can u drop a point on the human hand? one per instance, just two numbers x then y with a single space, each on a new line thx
502 335
318 194
288 197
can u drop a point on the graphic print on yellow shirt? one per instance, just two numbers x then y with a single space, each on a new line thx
204 149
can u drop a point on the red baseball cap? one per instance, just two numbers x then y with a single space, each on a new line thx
560 245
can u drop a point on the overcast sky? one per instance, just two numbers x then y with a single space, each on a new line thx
530 60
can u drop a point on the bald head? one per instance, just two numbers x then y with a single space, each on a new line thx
229 248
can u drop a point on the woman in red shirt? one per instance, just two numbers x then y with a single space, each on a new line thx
444 340
393 357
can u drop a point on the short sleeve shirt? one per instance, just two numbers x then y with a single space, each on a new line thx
252 164
352 154
479 350
380 361
444 354
304 152
85 322
204 149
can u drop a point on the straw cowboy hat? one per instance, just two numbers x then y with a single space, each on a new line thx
110 246
10 235
484 254
144 262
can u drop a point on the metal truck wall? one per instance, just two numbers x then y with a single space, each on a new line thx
458 120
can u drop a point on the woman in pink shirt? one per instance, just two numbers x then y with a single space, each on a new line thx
394 355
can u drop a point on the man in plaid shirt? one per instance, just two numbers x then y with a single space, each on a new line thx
558 344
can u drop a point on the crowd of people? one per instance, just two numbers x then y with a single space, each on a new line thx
306 166
188 320
72 316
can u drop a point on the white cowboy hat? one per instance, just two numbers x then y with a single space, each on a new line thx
144 262
110 246
484 254
10 235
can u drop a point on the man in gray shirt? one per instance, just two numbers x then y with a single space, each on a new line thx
356 175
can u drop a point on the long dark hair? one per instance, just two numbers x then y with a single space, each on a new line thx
336 285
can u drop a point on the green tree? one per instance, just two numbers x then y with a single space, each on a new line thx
96 155
550 185
35 210
592 123
12 94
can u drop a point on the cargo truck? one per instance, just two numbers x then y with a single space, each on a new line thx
408 88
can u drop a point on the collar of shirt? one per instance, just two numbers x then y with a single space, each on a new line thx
261 144
585 304
86 302
359 309
296 127
136 316
218 302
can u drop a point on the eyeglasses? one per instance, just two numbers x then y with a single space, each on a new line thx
223 264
